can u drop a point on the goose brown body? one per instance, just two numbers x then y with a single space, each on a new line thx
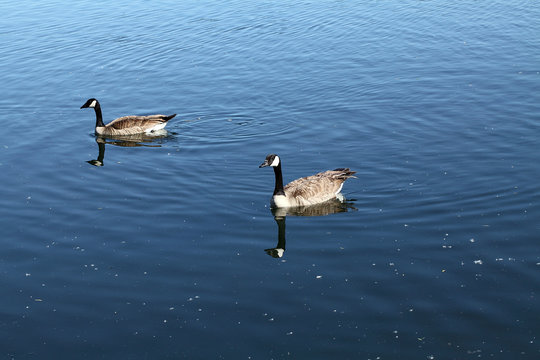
127 125
316 188
308 190
131 125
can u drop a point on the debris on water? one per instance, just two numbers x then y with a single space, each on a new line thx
478 262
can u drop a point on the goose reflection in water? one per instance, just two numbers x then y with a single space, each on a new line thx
329 207
126 141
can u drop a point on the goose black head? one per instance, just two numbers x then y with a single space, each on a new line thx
271 160
90 103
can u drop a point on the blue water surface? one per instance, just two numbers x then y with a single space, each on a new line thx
160 252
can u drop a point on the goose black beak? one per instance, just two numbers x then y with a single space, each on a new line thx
84 106
264 164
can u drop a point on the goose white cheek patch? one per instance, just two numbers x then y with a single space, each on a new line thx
93 104
275 162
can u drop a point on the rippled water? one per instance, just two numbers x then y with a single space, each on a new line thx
169 249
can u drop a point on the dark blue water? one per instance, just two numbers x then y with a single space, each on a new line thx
160 252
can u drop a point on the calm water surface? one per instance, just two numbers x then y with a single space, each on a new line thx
160 252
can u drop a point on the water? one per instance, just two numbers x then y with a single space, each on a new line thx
160 252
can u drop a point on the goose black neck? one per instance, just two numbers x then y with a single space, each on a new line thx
99 117
278 190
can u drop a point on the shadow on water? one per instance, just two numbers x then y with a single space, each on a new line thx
138 140
333 206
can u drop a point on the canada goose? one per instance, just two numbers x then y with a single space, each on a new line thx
127 125
308 190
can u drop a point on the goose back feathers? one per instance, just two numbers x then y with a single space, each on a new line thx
127 125
308 190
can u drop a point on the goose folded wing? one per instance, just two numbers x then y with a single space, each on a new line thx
136 121
321 185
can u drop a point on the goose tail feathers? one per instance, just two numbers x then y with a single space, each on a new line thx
168 117
344 173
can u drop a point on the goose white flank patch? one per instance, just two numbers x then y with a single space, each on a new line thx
127 125
308 190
